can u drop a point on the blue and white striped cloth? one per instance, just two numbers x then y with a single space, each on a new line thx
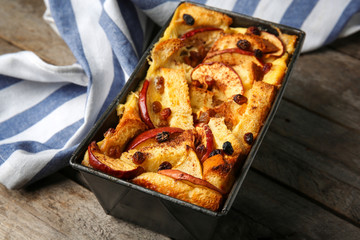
46 110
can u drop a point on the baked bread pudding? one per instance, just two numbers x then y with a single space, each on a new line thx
189 126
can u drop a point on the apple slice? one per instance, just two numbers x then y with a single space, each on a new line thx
198 30
233 56
151 134
225 77
276 41
112 166
179 175
205 132
144 112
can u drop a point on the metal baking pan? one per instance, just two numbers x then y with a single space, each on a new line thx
150 209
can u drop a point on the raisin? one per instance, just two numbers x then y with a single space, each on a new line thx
159 84
258 53
240 99
156 106
249 138
267 67
165 113
215 152
138 157
200 151
162 137
243 44
254 30
189 20
165 165
204 117
227 148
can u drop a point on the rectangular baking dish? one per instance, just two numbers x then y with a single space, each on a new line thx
152 210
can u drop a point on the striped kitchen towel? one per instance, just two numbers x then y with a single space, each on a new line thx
46 110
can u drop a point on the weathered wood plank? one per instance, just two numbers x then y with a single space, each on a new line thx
320 178
325 82
334 141
63 210
23 26
349 45
288 213
315 156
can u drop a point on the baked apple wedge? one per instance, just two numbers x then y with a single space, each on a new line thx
275 41
224 76
151 134
207 140
179 175
112 166
233 56
144 112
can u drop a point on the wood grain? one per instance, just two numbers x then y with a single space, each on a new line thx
22 25
289 214
325 82
58 208
349 45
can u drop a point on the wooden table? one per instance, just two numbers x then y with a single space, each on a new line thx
304 183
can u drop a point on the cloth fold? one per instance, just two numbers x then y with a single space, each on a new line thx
46 110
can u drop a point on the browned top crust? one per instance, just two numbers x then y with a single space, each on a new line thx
208 92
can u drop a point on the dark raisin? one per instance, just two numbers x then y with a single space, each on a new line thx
165 113
156 106
162 137
243 44
240 99
200 151
258 53
204 117
227 148
267 67
215 152
138 157
254 30
249 138
159 84
189 20
165 165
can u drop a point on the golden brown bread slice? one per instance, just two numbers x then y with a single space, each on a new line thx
177 98
256 42
260 98
178 151
202 18
195 194
218 172
221 135
200 98
130 124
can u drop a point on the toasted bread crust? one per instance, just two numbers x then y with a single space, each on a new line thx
216 90
201 196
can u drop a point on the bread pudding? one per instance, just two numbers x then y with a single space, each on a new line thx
190 124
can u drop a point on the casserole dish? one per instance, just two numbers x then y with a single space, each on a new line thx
159 212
